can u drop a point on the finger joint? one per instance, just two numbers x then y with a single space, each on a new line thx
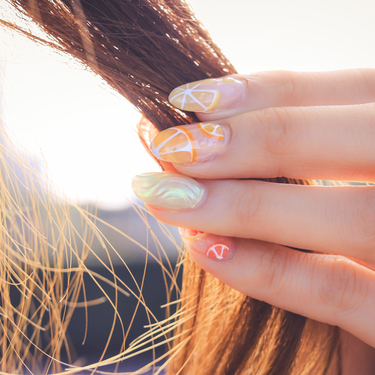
280 132
340 287
271 270
248 205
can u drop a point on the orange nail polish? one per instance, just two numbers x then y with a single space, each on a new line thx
190 143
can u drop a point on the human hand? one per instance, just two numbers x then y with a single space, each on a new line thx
273 124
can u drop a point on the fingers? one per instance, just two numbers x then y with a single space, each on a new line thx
239 140
229 96
338 220
333 143
327 288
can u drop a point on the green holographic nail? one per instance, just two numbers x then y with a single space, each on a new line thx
169 191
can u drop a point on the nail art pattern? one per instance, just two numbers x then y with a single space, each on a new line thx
174 144
185 95
211 130
189 143
168 191
192 234
217 251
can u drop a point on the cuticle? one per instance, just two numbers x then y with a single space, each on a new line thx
204 196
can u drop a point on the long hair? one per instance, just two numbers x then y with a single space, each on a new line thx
144 49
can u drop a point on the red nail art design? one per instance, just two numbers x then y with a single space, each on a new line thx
218 251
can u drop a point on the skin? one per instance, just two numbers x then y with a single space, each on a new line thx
308 126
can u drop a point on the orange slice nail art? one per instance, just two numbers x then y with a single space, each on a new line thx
175 145
211 130
218 251
189 143
192 234
194 97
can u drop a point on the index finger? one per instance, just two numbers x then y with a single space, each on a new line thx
217 98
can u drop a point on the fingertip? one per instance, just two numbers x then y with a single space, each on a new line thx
190 144
211 246
171 192
209 95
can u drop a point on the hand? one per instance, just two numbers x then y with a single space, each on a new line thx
273 124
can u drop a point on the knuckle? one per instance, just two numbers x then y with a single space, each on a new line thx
340 287
290 87
248 204
294 87
271 270
279 131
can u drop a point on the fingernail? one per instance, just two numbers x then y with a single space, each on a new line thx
213 246
209 95
168 191
190 143
192 234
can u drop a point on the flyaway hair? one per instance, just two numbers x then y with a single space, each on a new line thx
143 49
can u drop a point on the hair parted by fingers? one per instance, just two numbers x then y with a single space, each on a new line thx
144 49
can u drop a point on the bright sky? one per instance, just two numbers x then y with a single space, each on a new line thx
85 133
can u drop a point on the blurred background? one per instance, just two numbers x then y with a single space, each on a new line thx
82 134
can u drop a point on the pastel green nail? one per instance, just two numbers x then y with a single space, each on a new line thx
209 95
169 191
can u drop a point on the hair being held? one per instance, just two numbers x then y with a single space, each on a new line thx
144 49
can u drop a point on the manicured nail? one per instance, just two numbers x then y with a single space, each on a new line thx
190 143
168 191
192 234
209 95
213 246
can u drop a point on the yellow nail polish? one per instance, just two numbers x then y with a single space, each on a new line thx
189 143
208 95
192 234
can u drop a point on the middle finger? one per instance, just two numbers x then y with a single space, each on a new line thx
332 143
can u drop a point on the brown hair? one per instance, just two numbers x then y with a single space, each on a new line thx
144 49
